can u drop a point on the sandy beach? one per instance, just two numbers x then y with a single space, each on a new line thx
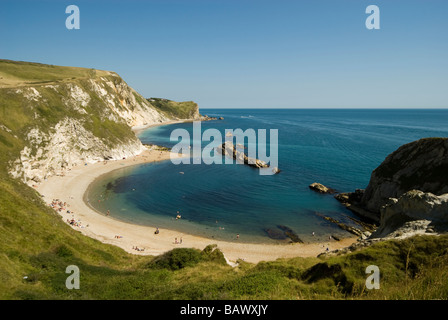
71 188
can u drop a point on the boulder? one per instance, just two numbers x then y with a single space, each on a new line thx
414 212
321 188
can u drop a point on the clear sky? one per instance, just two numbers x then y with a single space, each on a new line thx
246 53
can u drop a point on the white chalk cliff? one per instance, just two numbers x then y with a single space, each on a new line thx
77 121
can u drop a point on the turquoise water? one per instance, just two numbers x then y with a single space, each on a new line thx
338 148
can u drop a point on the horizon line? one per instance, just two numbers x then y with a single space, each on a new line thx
333 108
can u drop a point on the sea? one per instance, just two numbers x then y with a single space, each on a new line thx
336 147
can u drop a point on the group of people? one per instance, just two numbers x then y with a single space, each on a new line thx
137 248
75 223
62 206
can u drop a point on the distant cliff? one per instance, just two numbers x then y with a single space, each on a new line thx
53 117
176 110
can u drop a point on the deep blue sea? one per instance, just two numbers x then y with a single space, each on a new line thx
338 148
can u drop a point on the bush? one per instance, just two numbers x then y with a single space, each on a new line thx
180 258
176 259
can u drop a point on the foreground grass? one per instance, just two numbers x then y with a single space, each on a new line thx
35 243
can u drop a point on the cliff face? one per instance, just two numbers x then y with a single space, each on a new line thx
415 212
408 193
54 118
420 165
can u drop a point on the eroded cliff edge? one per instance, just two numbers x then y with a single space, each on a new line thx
53 118
408 192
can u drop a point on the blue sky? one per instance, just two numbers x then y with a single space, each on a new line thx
247 53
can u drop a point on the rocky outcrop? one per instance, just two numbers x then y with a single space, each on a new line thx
414 212
228 149
81 116
318 187
420 165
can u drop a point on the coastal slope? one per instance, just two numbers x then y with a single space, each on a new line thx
54 118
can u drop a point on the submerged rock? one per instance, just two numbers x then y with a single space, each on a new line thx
275 234
282 233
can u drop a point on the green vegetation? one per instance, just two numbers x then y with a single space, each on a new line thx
36 246
19 114
173 109
18 73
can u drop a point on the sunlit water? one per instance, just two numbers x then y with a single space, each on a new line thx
338 148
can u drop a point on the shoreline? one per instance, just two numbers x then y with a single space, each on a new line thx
73 186
138 129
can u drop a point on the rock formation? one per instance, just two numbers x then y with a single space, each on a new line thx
420 165
408 192
318 187
228 149
414 212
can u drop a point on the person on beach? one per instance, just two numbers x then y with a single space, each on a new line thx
157 231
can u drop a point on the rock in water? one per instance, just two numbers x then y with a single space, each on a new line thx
321 188
228 149
275 234
290 234
421 208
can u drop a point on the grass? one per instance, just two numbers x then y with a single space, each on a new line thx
36 243
18 73
173 109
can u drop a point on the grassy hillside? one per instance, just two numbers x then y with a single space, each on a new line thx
19 113
173 109
20 73
36 246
